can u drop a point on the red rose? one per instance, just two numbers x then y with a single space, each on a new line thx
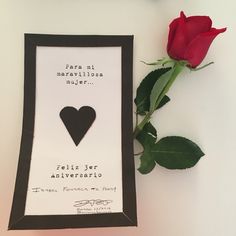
190 38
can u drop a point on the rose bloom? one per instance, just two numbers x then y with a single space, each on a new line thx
190 38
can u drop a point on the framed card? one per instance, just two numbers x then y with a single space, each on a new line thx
76 166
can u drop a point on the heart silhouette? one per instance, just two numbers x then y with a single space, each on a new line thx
77 122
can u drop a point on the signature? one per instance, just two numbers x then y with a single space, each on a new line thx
92 202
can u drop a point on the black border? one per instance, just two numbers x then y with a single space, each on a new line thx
18 219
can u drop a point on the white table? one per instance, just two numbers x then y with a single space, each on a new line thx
197 202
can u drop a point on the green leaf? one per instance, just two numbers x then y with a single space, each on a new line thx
176 153
158 89
162 86
142 99
147 137
164 100
147 163
171 152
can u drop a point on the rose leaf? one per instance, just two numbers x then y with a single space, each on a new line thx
175 152
142 99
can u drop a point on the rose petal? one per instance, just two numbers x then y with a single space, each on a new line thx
198 48
196 25
172 29
177 40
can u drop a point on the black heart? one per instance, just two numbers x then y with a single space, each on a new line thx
78 122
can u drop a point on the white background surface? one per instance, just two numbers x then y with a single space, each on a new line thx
195 202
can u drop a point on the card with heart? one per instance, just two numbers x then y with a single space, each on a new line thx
76 166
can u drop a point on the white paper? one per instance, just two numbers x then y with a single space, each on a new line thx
57 183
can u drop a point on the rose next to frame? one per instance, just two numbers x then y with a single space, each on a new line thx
188 43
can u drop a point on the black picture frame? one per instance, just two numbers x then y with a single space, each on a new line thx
18 219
